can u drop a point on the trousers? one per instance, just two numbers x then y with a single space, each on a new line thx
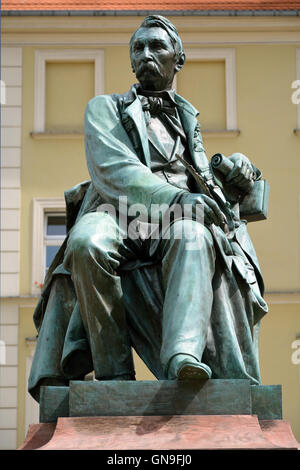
97 249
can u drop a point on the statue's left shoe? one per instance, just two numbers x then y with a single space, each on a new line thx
185 367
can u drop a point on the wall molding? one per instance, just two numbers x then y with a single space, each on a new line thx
220 133
11 126
9 337
282 297
128 23
116 31
119 39
51 135
42 56
31 406
227 55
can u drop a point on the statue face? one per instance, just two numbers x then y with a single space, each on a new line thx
153 59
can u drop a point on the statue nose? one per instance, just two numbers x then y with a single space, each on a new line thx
147 56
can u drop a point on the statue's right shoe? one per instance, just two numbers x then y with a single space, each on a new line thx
185 367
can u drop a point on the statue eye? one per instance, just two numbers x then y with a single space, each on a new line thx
138 47
157 45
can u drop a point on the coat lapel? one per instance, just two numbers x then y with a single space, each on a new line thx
188 118
135 112
188 115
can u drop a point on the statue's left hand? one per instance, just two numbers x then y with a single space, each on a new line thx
242 175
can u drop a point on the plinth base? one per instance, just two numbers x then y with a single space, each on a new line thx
160 415
213 432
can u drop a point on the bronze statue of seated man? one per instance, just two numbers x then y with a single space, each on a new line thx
157 255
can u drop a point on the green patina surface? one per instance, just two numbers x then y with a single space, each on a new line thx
54 403
175 304
267 401
166 397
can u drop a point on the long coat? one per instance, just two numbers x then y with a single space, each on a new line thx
118 160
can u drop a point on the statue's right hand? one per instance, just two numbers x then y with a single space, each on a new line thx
204 208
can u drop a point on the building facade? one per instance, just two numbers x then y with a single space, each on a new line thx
242 73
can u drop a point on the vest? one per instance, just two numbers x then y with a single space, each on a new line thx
164 143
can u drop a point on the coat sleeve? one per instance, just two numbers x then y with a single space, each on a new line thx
114 167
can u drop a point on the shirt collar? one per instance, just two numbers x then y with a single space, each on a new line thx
168 95
177 99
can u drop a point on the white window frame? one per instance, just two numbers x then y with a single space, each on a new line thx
51 240
228 56
61 55
41 206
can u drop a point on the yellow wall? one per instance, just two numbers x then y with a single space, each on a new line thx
118 74
203 84
69 87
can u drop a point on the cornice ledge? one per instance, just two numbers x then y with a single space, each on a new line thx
220 133
54 135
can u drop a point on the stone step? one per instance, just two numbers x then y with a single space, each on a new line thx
159 398
129 398
160 415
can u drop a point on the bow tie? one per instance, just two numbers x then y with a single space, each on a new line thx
156 105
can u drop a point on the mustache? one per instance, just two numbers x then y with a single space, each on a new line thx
147 67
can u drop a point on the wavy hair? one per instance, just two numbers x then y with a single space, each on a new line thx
161 22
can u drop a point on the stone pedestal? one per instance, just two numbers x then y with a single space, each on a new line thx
160 415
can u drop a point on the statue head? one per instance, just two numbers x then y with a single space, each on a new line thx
156 53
